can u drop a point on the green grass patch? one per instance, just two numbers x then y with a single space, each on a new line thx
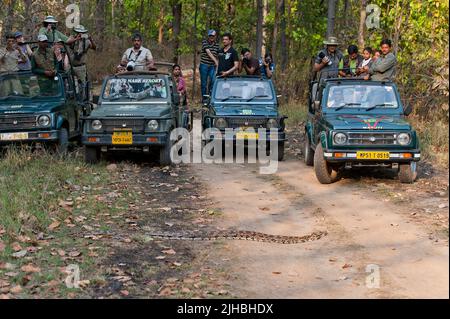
296 113
33 184
434 140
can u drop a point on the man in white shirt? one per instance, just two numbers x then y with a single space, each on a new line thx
138 55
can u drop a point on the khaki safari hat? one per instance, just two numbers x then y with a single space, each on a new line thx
331 41
80 29
50 19
42 38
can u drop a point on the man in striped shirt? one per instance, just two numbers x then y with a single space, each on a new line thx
208 62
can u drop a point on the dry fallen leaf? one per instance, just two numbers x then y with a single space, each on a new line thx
124 292
16 247
169 252
165 292
74 253
2 246
276 272
346 266
16 289
20 254
54 225
30 268
160 257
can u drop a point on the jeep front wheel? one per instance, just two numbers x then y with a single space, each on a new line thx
91 154
164 153
325 173
309 153
63 142
407 173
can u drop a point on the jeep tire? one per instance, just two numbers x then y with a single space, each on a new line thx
164 153
280 155
91 154
63 142
308 152
407 173
325 173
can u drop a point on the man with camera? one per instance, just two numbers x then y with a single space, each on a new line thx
249 63
78 52
49 29
349 64
267 66
137 58
327 61
11 55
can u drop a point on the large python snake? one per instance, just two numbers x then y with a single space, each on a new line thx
239 235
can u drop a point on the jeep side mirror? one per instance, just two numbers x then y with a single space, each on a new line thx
316 105
95 99
408 110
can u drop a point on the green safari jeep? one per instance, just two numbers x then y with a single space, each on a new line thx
136 111
354 123
38 109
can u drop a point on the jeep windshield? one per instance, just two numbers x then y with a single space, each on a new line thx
367 97
139 89
243 90
28 86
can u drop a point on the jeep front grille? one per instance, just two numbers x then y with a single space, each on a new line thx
256 122
372 138
17 122
110 126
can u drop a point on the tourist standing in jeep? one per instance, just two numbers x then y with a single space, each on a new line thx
11 55
327 61
383 69
228 57
44 61
137 58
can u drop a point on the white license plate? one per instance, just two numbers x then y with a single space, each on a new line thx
13 136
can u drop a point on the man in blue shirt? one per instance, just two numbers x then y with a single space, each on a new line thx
267 66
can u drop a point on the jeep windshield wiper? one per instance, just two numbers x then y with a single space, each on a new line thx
256 96
340 107
378 105
231 97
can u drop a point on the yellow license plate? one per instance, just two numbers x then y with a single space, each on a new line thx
13 136
247 136
373 155
122 138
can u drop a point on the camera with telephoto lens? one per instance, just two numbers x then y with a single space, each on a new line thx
322 55
53 26
131 65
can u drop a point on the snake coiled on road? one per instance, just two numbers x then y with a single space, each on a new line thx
239 235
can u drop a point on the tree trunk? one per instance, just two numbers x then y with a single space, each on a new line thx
264 37
275 30
284 49
161 26
100 24
362 23
29 25
347 14
259 27
331 17
176 10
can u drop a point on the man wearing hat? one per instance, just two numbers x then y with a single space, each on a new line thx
43 61
49 30
26 51
327 61
11 55
78 52
209 61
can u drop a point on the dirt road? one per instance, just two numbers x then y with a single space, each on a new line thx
367 232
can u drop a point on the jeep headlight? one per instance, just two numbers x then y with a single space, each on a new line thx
220 123
403 139
272 123
340 138
153 125
96 125
44 120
